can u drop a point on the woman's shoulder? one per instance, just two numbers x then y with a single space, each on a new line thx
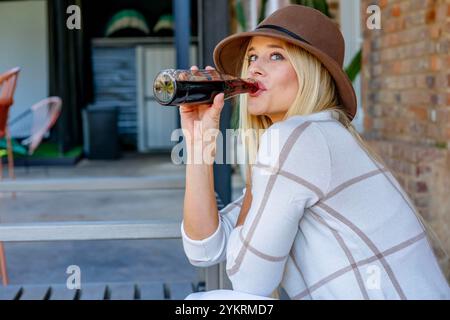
304 126
296 137
305 120
298 146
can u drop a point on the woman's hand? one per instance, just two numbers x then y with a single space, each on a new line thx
197 119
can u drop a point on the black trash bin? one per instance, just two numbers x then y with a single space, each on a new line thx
100 131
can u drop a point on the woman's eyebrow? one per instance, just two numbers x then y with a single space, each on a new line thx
268 46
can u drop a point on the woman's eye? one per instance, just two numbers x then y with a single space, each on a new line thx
276 56
273 56
251 58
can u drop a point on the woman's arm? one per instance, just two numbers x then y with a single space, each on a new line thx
212 250
200 214
204 230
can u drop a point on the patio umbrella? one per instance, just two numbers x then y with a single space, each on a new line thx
127 22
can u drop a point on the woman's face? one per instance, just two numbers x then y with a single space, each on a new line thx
268 63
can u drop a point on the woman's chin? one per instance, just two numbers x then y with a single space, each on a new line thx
255 110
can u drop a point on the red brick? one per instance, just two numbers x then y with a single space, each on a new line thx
368 123
420 113
383 3
397 67
435 32
443 116
430 16
422 202
421 187
396 11
422 169
432 131
435 63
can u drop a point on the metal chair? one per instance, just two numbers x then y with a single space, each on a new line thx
44 115
8 81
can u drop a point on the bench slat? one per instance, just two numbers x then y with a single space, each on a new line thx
61 292
90 230
93 184
93 291
121 291
35 292
180 290
152 291
9 292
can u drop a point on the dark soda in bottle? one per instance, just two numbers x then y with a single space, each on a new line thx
175 87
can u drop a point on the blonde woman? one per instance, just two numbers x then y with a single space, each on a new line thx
321 216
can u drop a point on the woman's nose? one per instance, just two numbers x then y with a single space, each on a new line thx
256 69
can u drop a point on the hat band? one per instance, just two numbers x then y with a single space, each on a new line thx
286 31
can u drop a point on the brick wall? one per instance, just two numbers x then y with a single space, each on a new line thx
406 100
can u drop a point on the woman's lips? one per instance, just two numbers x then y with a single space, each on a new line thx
261 90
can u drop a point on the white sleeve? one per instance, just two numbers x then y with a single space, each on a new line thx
291 173
212 250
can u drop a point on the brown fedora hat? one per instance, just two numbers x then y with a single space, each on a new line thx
305 27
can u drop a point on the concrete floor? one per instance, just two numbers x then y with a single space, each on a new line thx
100 261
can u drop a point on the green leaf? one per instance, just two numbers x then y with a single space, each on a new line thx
240 15
262 11
320 5
354 67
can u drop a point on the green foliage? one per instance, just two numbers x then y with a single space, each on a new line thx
240 15
262 11
354 67
320 5
441 145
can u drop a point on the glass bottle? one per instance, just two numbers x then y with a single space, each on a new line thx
173 87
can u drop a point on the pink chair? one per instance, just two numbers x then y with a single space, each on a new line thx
44 115
8 81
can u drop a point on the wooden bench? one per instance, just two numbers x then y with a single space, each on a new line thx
101 291
213 278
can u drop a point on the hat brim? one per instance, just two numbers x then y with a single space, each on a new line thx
229 55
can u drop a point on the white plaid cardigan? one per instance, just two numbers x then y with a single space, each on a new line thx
326 222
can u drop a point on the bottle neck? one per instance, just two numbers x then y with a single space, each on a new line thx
239 86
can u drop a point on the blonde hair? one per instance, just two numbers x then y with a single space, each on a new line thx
317 92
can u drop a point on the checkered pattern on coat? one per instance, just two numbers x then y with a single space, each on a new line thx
326 221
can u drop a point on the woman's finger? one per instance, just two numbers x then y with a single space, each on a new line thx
218 103
194 68
209 68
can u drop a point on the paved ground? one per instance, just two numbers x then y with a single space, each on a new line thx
100 261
